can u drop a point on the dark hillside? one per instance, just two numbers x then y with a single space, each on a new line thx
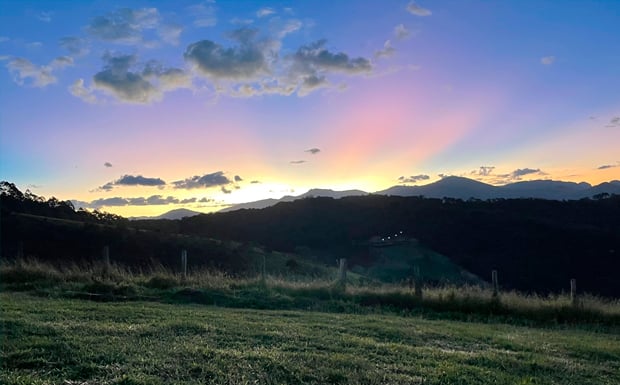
536 244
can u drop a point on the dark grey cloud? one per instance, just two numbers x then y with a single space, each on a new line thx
107 164
297 161
117 79
313 150
133 180
205 200
205 181
606 166
314 57
188 200
415 9
246 61
524 171
124 81
614 122
225 190
484 170
254 182
413 178
238 178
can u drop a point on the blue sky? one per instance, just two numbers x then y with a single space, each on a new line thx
249 100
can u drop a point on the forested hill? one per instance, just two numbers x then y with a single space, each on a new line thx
535 244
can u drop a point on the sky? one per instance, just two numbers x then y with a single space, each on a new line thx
155 105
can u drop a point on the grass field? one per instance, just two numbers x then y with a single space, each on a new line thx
68 341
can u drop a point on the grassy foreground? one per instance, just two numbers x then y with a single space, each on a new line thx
68 341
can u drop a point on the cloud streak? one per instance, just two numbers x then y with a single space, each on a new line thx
415 9
413 178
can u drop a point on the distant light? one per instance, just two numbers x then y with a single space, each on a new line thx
388 237
401 231
382 239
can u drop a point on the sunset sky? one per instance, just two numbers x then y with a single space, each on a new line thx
161 105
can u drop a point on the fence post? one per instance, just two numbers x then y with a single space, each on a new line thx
417 282
495 283
184 263
573 291
106 259
342 272
263 272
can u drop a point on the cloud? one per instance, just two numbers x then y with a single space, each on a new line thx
45 17
254 182
75 45
314 57
4 39
387 50
25 73
131 180
78 89
401 32
238 178
124 26
123 84
204 16
208 180
289 27
153 200
243 62
188 200
606 166
413 178
119 79
313 150
266 11
107 164
170 33
547 60
415 9
484 170
225 190
516 174
297 161
614 122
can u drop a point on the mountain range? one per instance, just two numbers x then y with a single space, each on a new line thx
448 187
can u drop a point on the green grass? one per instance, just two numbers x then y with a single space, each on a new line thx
62 341
473 303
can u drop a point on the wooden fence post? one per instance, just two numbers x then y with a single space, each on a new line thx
263 271
495 283
184 263
106 259
573 291
342 272
417 282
